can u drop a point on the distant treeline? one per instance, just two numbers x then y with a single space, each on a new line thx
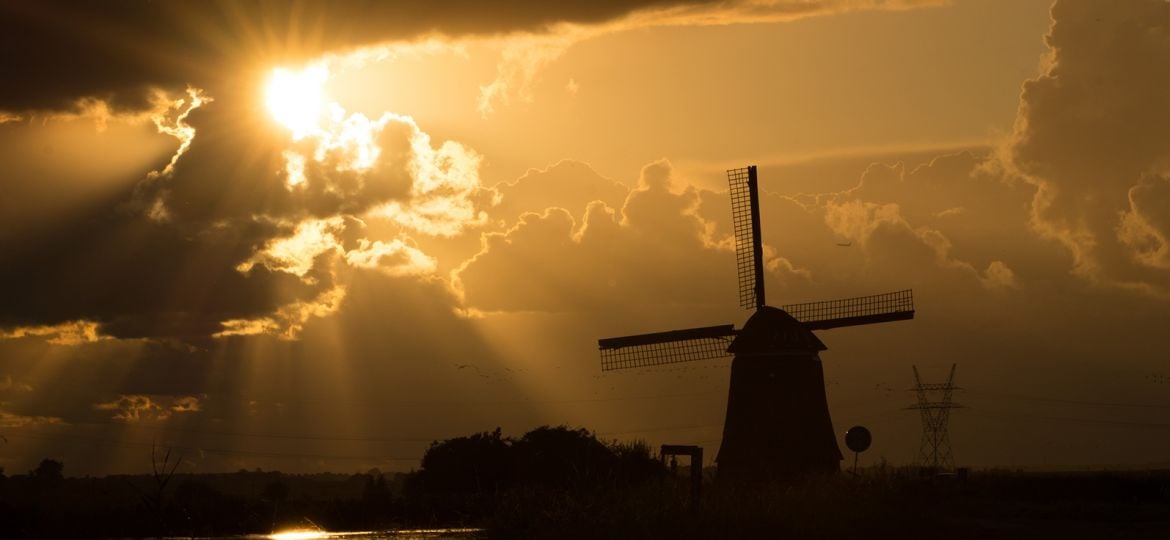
460 483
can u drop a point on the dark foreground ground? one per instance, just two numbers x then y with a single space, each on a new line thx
879 503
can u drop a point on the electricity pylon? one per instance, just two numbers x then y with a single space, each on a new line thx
935 451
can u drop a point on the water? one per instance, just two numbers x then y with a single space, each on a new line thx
397 534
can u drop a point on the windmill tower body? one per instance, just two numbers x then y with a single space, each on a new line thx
777 425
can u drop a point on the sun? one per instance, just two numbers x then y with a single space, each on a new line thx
296 99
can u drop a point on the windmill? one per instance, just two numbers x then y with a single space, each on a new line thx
777 424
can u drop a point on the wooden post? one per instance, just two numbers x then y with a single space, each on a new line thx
696 455
696 478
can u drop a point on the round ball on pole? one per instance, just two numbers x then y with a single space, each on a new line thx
858 438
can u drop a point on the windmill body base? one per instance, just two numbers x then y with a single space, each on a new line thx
778 426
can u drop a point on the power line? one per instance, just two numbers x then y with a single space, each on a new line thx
244 434
352 438
1004 415
383 402
668 428
210 450
1070 401
213 450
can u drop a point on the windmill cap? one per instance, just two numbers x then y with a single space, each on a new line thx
773 331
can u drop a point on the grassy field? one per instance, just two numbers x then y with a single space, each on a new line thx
879 503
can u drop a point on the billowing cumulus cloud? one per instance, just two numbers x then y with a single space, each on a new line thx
1093 137
919 215
552 261
245 228
571 185
670 243
1145 226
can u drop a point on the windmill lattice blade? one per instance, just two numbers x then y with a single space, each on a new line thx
893 306
660 348
743 210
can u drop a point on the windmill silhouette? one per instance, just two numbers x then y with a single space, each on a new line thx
777 424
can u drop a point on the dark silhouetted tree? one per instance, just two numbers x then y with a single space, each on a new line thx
480 463
49 470
563 457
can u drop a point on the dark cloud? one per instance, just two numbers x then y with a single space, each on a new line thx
386 365
58 51
136 277
235 169
222 234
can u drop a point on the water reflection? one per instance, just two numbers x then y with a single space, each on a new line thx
398 534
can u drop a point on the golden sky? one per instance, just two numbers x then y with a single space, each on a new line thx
317 236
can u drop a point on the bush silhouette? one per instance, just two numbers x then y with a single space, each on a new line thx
480 463
544 458
562 457
49 470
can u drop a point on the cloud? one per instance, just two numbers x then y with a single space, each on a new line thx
669 240
237 234
567 184
10 420
121 49
324 295
913 218
245 228
288 320
9 385
67 333
144 408
1145 226
523 56
65 51
1093 135
396 258
998 275
646 252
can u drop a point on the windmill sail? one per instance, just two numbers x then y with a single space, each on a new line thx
823 315
660 348
749 249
